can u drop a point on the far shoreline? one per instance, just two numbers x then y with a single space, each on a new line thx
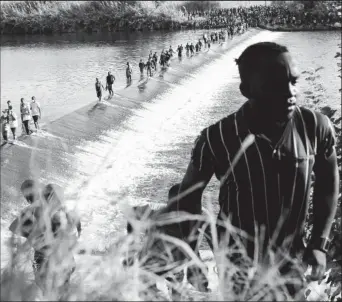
165 27
297 29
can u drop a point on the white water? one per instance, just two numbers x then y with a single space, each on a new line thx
116 164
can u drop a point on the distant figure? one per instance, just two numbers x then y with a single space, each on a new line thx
129 72
167 58
98 88
36 112
13 121
141 66
149 67
155 60
205 39
110 81
180 50
162 58
187 47
192 48
25 115
5 125
200 44
171 51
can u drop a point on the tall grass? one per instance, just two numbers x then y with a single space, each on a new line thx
105 277
151 259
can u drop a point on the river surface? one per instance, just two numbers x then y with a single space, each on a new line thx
61 71
138 162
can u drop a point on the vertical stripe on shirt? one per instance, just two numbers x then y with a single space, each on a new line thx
232 168
296 171
307 162
315 127
264 177
208 139
249 174
201 158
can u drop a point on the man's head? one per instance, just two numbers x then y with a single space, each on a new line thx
109 73
268 75
97 79
33 98
22 100
8 102
30 189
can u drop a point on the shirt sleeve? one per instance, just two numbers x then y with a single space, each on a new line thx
325 133
201 156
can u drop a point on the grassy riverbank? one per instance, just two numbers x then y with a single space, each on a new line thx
50 17
47 17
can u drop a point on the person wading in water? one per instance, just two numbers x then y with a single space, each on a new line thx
98 87
110 81
13 121
129 73
25 115
263 155
36 112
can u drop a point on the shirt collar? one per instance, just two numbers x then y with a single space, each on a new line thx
248 122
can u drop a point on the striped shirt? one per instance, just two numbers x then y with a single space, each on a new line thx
268 181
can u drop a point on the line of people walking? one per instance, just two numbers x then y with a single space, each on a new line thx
28 111
164 59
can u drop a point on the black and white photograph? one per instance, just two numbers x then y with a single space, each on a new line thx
171 150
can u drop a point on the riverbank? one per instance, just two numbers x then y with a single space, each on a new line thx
51 17
58 17
290 28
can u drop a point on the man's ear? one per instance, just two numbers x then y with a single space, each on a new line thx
244 88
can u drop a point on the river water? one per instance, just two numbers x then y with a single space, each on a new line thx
138 162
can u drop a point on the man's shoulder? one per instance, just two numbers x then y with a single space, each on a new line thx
222 128
224 123
315 118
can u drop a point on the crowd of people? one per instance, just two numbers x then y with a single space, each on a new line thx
28 112
261 15
151 63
